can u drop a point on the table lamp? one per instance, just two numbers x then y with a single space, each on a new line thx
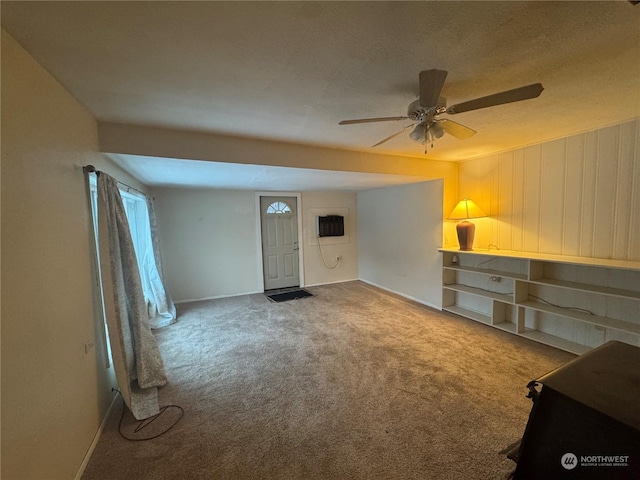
466 209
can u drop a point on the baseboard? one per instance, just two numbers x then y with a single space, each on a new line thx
400 294
330 283
215 297
408 297
96 438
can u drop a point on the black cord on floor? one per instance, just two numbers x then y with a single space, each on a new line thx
142 424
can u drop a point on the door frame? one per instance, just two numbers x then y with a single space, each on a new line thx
298 197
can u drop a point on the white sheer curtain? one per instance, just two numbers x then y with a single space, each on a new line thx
138 365
143 225
162 311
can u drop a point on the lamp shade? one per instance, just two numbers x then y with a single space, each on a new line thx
436 130
419 133
466 209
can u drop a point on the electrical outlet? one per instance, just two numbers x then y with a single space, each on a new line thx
496 279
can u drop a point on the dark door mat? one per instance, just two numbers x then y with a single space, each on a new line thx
292 295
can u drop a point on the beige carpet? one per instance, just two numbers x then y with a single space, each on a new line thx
352 383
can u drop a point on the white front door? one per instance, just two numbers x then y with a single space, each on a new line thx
280 257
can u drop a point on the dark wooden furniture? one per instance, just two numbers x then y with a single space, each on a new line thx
585 421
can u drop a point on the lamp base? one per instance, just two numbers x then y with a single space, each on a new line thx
466 231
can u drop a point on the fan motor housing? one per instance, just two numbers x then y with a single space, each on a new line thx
418 113
415 111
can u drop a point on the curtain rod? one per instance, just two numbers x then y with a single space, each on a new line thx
92 169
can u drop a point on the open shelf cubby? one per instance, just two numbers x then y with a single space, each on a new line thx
571 303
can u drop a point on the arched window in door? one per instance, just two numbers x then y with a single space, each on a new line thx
278 207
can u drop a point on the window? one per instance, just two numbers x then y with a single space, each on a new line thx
278 207
135 207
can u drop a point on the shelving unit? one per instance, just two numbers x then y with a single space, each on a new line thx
571 303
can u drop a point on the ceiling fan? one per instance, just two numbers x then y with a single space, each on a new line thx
427 108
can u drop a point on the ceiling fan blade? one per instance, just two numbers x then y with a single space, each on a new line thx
391 136
431 83
370 120
523 93
453 128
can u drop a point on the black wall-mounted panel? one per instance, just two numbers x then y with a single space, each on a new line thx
330 226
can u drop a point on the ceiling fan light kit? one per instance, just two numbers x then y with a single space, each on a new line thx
427 108
419 133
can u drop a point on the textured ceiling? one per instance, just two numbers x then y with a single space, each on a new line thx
289 71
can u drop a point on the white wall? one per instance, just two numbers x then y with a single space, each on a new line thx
169 143
210 241
578 195
54 395
399 232
316 204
